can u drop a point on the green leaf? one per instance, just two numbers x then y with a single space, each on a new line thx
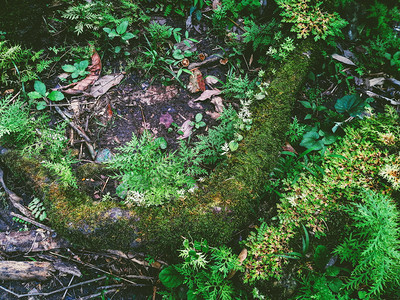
311 141
121 28
306 104
41 105
329 139
128 36
117 49
40 87
335 285
352 104
75 74
161 142
198 117
332 271
233 146
56 96
113 34
83 64
34 95
68 68
170 277
177 54
106 29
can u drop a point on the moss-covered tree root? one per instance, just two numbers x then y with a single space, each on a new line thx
219 208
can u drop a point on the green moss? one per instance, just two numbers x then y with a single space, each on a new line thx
219 208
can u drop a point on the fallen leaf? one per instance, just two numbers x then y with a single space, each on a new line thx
343 59
289 148
109 111
213 115
193 104
194 81
156 94
211 80
186 129
166 120
223 61
207 94
376 81
216 4
103 84
80 86
241 257
219 106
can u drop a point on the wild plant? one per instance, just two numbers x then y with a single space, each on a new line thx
143 167
311 19
206 272
373 245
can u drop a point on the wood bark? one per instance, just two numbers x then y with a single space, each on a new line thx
25 270
29 241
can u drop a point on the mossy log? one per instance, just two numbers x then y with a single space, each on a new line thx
220 207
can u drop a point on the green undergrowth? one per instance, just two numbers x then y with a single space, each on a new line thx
365 159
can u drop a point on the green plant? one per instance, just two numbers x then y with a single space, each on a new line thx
373 245
317 139
198 121
154 176
121 32
15 123
37 208
205 272
309 18
77 70
41 93
295 131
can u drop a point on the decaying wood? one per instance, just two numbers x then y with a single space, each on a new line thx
210 60
25 270
29 241
15 200
31 221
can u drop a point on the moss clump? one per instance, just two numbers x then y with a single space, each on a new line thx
219 208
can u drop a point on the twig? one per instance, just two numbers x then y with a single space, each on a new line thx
93 267
97 294
72 124
33 222
53 292
69 284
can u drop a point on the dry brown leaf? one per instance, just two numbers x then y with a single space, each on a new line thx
289 148
219 106
103 84
211 80
193 85
186 128
241 257
156 94
207 94
81 86
213 115
343 59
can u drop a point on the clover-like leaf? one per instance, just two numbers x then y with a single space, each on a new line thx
34 95
41 105
351 104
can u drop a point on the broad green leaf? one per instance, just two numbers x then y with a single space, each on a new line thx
161 142
68 68
351 104
199 117
311 140
75 74
117 49
306 104
41 105
335 285
83 64
177 54
128 36
40 87
34 95
170 277
332 271
121 28
233 146
56 96
113 34
106 29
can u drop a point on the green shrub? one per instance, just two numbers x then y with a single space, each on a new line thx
205 272
157 176
310 198
373 247
311 19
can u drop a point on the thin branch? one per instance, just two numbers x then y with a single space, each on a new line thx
33 222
